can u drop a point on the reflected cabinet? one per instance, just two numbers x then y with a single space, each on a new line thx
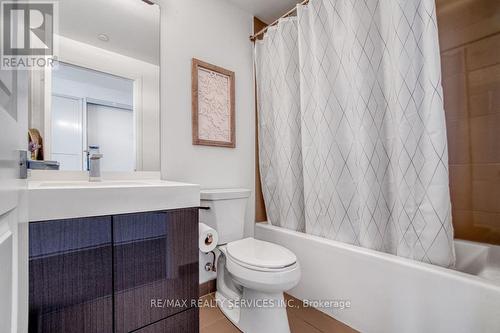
121 273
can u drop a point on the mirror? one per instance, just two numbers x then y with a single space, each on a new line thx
103 92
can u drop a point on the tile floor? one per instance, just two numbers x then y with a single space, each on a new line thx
302 319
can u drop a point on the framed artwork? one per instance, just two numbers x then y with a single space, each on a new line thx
213 116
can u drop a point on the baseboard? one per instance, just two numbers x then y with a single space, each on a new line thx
207 287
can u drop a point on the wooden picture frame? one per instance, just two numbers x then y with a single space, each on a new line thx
213 105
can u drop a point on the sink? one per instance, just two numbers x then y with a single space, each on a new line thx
53 200
78 184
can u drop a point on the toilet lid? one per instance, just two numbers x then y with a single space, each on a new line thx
258 253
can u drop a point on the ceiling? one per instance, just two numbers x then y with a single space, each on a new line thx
133 26
266 10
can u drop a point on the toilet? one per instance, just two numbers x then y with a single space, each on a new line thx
251 274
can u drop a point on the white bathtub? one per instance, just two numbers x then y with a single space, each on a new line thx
392 294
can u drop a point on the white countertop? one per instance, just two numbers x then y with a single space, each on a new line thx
52 200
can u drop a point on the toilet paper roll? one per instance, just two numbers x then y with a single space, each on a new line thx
208 238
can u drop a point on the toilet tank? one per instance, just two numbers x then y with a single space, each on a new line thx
226 213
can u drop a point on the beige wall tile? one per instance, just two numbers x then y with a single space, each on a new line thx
486 172
486 103
461 186
485 139
486 188
486 196
455 97
487 220
458 141
453 62
484 91
481 53
465 21
462 222
469 33
486 227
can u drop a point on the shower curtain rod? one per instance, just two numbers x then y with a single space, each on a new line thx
290 12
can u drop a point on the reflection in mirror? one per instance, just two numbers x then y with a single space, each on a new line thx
106 102
102 95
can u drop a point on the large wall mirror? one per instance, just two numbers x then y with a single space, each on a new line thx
104 91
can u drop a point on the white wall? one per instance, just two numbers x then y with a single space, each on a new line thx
82 82
215 31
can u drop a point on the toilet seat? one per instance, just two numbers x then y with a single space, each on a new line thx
263 279
260 255
261 265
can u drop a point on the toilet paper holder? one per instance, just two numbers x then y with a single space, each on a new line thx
209 239
210 266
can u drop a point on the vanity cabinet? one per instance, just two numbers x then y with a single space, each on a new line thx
70 270
120 273
155 266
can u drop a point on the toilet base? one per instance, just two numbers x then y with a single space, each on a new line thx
231 312
256 311
251 310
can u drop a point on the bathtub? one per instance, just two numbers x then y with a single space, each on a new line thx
377 292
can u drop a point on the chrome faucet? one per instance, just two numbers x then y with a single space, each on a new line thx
95 167
94 164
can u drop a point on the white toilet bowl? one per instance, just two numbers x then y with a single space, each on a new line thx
251 278
251 274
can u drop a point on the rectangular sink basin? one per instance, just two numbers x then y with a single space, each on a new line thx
53 200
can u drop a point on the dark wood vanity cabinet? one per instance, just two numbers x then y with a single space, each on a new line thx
70 270
121 273
155 266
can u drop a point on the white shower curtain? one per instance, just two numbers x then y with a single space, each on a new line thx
280 145
365 82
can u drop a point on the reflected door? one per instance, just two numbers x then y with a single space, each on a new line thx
112 130
67 136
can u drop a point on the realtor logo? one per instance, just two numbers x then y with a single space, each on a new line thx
28 29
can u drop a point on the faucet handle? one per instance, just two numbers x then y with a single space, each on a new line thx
91 150
96 156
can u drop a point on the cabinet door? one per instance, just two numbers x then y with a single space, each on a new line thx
155 266
70 276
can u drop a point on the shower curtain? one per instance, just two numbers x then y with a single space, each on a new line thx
352 133
280 147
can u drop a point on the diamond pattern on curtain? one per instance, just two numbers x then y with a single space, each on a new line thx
277 60
372 128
